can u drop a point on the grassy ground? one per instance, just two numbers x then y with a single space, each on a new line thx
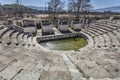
66 44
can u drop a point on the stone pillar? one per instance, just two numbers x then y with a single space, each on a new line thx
83 22
58 24
71 24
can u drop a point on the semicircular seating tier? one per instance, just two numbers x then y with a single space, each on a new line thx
22 58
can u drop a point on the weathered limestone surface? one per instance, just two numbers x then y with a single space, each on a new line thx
99 61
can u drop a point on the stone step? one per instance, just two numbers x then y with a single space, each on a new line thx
5 61
6 36
100 29
101 40
93 32
2 32
74 72
108 41
90 40
11 71
13 38
25 38
115 42
89 33
55 75
108 25
86 66
20 38
97 31
29 72
104 27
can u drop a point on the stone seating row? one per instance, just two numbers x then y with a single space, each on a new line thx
103 34
100 27
102 38
103 64
13 37
20 63
117 34
110 25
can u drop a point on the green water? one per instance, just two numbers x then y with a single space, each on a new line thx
65 44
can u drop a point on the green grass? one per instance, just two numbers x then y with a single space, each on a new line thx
66 44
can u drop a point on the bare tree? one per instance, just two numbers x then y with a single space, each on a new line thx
18 8
78 6
54 7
